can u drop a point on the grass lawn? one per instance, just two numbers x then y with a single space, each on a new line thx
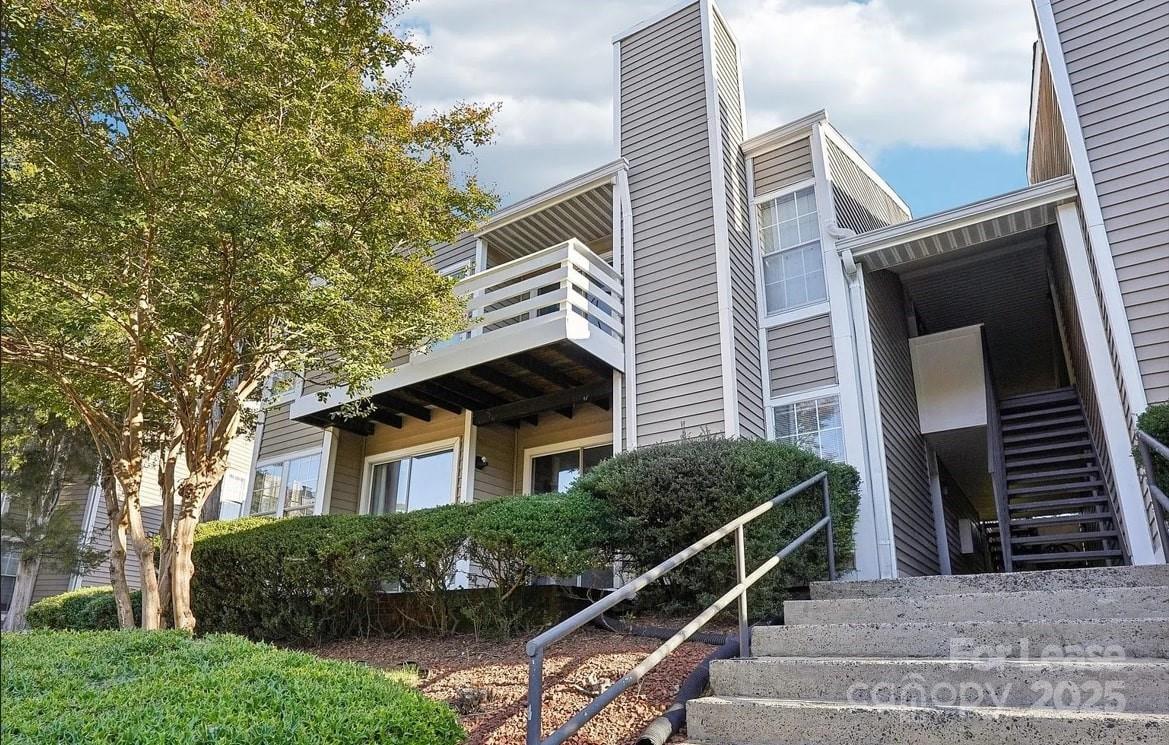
165 687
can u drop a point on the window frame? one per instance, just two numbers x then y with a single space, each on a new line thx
452 444
792 399
296 391
583 443
284 460
768 318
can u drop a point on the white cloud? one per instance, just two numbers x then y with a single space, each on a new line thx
890 72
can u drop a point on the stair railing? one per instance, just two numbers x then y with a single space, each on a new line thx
996 460
1147 445
536 647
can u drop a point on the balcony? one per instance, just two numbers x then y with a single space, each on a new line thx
544 332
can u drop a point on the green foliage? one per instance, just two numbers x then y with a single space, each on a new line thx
1155 422
514 540
672 495
87 609
428 545
298 579
137 687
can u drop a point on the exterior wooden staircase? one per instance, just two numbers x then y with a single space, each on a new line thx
1060 512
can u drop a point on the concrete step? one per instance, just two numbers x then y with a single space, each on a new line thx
1156 575
1143 683
1034 605
782 722
1132 638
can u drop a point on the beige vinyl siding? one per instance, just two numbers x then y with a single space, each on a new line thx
861 204
345 495
800 355
664 136
1116 52
782 167
51 580
496 443
744 309
1079 366
282 435
906 471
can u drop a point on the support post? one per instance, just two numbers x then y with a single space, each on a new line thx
741 579
830 540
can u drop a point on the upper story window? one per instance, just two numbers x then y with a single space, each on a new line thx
793 267
286 487
282 386
814 424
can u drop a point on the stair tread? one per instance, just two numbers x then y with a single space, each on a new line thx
1017 450
1042 422
1064 458
1098 535
1086 517
1059 409
1057 503
1068 486
1048 434
1051 474
1068 556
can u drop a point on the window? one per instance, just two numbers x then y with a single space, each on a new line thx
556 471
286 487
9 563
281 386
412 483
458 273
813 425
793 267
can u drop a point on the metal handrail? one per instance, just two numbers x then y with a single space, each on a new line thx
1146 446
535 647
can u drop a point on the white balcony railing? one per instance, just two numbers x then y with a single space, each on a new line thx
566 281
562 293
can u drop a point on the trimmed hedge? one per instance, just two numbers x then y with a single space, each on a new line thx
164 686
669 496
90 608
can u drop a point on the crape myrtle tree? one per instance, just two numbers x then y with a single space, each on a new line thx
199 193
42 449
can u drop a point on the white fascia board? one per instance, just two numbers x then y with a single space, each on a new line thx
1053 191
575 186
1033 115
784 133
647 22
838 139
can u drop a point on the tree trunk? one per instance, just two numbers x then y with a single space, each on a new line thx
182 569
26 579
143 548
117 521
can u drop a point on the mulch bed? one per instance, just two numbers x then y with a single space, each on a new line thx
487 680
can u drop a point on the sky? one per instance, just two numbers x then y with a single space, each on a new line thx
933 93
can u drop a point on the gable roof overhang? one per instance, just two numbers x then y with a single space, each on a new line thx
960 228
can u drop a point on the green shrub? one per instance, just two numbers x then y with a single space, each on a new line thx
166 687
671 495
298 579
427 546
514 540
87 609
1155 422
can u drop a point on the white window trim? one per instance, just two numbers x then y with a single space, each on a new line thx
811 394
284 458
799 312
451 443
559 447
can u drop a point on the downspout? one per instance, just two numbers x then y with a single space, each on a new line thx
882 518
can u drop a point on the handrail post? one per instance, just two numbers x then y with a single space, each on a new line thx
535 695
741 578
831 541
